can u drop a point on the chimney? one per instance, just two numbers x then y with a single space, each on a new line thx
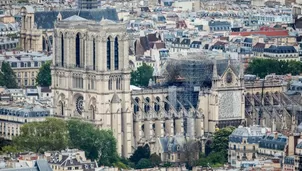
273 125
275 135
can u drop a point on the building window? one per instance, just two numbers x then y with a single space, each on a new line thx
167 106
110 84
25 74
136 105
14 64
25 82
118 83
93 55
28 64
108 53
156 105
178 156
22 64
33 82
36 64
77 82
32 74
234 147
62 51
116 54
147 104
78 50
91 84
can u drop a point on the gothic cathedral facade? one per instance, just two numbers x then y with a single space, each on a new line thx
224 105
91 77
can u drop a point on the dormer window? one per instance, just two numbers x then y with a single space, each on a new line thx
169 147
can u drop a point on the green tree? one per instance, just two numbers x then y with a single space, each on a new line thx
9 149
155 159
50 135
7 76
4 142
44 76
23 1
221 139
140 153
142 75
219 146
191 152
143 164
120 165
263 67
98 144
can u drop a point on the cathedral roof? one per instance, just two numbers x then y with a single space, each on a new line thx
75 18
46 19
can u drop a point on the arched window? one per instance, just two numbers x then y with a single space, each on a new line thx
147 105
62 108
50 42
156 105
136 105
43 43
117 83
78 50
92 113
108 53
116 54
110 84
93 55
62 50
167 106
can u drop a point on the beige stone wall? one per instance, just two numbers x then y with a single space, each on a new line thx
105 93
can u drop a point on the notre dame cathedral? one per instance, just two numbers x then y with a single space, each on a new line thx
91 81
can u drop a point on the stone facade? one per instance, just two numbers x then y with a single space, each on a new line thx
37 26
224 104
91 77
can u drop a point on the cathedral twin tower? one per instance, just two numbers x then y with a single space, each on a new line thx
91 77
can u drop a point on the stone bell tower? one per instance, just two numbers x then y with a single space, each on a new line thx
91 77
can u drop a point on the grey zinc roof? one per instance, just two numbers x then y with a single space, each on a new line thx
20 169
40 165
299 145
25 111
280 49
46 19
253 134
